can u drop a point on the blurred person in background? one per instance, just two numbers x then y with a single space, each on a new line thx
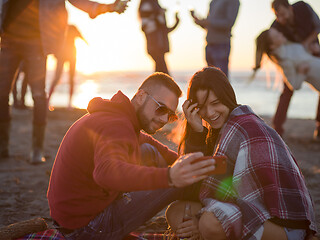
68 53
219 22
154 26
298 23
30 30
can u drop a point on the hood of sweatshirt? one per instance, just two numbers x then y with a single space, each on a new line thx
119 103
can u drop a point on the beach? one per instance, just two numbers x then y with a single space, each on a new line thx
23 186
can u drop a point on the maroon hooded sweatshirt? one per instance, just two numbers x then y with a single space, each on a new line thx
99 157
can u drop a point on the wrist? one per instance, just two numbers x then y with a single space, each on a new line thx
94 10
170 183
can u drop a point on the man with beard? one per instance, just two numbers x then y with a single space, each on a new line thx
109 177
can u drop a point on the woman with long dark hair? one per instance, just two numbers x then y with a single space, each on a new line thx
262 195
293 60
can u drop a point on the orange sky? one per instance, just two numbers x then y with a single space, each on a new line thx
116 42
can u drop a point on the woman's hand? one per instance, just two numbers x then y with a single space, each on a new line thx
191 114
188 229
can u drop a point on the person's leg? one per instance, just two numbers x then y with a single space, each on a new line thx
126 214
72 70
160 62
131 210
9 63
151 156
282 109
23 91
273 231
176 213
316 133
57 76
217 55
16 101
35 62
210 227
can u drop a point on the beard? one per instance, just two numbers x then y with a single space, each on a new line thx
144 121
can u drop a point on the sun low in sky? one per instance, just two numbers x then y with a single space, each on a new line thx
116 42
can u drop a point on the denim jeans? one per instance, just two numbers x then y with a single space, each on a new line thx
13 52
217 55
129 211
295 234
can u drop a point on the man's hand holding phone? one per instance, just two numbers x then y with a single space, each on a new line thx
186 170
220 164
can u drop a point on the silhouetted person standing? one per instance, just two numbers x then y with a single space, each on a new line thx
298 23
221 18
154 26
68 54
30 30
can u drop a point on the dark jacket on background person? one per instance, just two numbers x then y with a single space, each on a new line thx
305 22
98 158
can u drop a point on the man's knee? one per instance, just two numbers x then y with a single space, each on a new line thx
210 227
151 156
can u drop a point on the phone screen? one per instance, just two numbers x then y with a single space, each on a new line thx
220 165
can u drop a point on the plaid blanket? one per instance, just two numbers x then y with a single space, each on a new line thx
53 234
150 236
50 234
263 180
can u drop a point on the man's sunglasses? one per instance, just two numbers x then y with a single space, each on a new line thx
163 110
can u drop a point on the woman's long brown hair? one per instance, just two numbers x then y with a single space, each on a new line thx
210 79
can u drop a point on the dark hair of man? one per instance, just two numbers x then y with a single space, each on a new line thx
277 3
210 79
157 79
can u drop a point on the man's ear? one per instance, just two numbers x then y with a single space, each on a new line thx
141 96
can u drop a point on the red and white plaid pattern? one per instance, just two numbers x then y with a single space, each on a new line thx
263 179
50 234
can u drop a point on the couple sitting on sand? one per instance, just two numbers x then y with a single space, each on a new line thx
109 177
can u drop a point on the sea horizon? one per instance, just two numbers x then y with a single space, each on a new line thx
261 94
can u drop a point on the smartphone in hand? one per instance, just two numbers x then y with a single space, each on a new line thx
220 165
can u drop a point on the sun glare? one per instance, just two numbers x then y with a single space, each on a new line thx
87 90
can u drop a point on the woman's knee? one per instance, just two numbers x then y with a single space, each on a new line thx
273 231
175 212
210 227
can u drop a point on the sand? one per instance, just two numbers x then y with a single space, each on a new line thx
23 186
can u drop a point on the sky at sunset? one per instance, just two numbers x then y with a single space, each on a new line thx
116 42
